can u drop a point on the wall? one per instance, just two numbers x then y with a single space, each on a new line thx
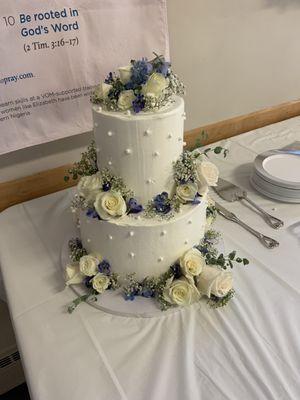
234 56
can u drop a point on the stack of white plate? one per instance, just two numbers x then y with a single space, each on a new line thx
277 175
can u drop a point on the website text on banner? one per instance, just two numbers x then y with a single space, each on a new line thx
53 53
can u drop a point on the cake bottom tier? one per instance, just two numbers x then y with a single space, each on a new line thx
145 246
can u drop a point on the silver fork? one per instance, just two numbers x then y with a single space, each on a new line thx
265 240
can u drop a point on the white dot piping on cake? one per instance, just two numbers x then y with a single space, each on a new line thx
160 259
109 162
186 241
170 136
128 151
179 139
131 255
189 221
109 133
99 109
184 144
156 154
147 132
110 237
128 112
88 240
163 233
95 124
131 233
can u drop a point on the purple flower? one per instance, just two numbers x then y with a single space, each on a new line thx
106 187
176 271
88 281
196 199
129 296
109 79
163 68
139 73
147 293
138 103
104 267
92 213
161 203
134 207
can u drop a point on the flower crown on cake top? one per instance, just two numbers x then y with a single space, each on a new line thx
140 86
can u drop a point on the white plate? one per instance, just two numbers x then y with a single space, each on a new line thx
279 169
281 198
277 190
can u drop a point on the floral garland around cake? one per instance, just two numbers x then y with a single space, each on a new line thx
200 272
140 86
104 195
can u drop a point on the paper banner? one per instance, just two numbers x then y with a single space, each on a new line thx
54 52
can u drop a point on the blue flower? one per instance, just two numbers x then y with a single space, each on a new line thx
129 296
176 271
88 281
147 293
138 103
92 213
106 187
161 203
139 73
163 68
196 199
134 207
104 267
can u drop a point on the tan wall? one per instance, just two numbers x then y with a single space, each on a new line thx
235 56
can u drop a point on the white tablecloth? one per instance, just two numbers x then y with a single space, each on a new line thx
248 350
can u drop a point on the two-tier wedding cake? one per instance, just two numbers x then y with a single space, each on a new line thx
142 200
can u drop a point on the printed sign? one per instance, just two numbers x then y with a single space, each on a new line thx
53 53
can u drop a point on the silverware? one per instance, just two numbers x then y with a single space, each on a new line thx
265 240
230 192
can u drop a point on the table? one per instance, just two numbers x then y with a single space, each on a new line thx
248 350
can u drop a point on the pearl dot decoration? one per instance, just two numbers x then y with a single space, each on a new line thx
138 217
128 112
186 241
170 136
131 255
97 150
189 221
95 124
109 133
160 259
88 240
147 132
99 109
184 143
131 233
156 154
149 181
163 233
109 162
180 139
128 151
110 237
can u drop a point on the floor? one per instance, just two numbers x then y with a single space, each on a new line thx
18 393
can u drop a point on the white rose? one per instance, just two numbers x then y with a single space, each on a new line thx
214 280
102 90
125 99
192 263
88 265
181 292
110 204
187 192
73 275
125 74
207 173
100 282
89 186
155 85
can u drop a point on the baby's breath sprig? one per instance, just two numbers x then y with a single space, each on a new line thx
184 168
76 249
86 166
216 302
116 183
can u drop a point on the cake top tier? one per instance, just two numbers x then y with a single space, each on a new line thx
143 85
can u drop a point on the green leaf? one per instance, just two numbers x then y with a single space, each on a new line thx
232 255
66 178
239 260
245 261
218 150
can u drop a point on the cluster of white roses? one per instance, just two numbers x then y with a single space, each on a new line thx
206 173
198 279
87 266
153 88
108 204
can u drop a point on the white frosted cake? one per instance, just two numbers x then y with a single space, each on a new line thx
142 199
